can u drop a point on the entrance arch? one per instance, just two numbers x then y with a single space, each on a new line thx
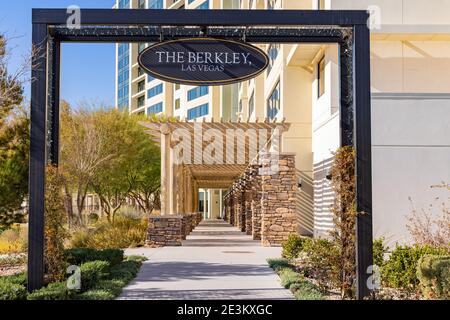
346 28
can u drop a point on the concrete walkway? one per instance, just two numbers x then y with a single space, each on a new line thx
216 261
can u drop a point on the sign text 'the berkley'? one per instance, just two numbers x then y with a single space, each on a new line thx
203 61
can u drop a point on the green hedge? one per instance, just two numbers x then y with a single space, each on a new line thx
77 256
433 273
400 271
92 272
103 275
54 291
13 287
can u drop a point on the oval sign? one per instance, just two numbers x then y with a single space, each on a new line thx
203 61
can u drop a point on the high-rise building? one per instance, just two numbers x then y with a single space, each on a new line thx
410 65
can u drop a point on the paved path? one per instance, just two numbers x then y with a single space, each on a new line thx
216 261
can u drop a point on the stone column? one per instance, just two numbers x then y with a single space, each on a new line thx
278 198
241 209
231 216
256 203
248 195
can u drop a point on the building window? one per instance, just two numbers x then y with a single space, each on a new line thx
156 108
141 101
272 52
124 4
197 92
141 4
177 104
156 4
198 111
140 71
141 86
154 91
177 86
150 78
273 103
251 104
321 77
203 5
123 81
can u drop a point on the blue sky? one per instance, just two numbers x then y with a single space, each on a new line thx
88 70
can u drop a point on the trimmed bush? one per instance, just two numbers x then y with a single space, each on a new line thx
293 246
126 271
20 279
433 273
54 291
278 264
288 277
95 294
92 272
12 291
136 258
77 256
400 271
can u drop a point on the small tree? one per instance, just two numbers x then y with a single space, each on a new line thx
55 233
14 141
344 212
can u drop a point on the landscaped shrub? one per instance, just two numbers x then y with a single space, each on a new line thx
293 246
123 233
323 256
11 290
13 240
109 288
306 290
289 277
400 271
136 258
92 272
77 256
54 291
379 251
278 264
433 273
20 279
127 270
95 294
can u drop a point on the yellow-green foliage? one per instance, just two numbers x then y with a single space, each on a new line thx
55 233
123 233
13 240
433 273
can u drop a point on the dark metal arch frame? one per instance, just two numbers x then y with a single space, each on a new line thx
346 28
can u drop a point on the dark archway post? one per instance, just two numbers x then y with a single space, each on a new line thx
348 29
38 148
363 145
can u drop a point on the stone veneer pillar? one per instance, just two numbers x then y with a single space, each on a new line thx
278 198
248 194
256 202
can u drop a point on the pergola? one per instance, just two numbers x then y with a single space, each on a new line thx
180 182
348 29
